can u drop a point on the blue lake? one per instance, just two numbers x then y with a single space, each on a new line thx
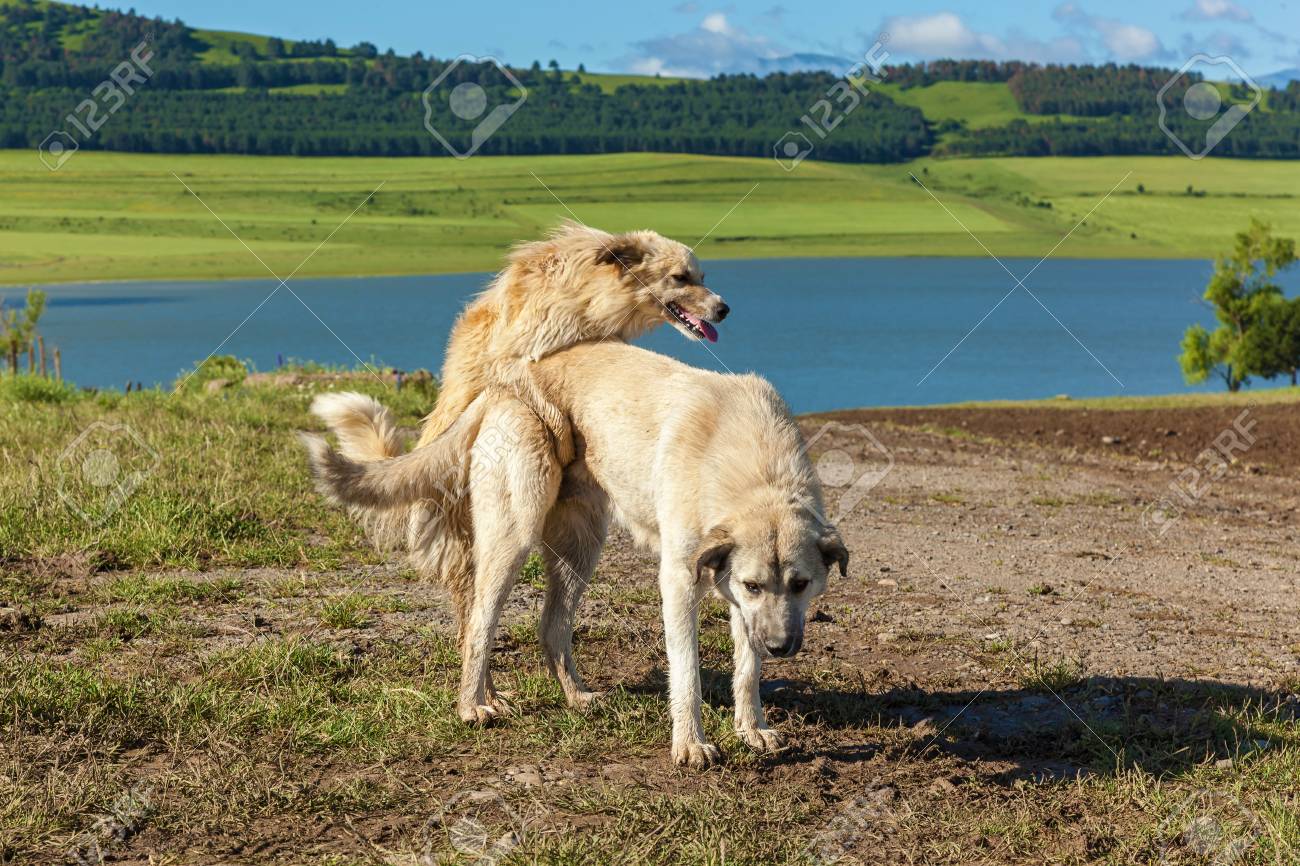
829 333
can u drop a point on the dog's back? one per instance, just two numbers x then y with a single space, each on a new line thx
717 438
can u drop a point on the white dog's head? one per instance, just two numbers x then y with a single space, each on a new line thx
771 566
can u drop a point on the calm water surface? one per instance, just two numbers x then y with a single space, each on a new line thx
829 333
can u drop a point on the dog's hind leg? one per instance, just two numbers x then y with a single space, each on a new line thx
514 486
751 726
571 543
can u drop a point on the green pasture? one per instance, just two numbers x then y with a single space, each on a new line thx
117 216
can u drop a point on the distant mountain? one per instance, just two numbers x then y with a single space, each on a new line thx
1279 79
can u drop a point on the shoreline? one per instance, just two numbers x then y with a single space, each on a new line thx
147 280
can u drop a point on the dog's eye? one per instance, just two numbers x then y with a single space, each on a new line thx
681 278
798 585
752 588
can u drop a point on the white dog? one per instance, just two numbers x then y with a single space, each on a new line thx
708 470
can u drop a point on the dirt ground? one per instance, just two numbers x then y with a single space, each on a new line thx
1025 602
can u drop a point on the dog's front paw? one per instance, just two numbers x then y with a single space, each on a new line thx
697 756
762 739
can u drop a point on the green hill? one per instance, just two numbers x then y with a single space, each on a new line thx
215 91
124 216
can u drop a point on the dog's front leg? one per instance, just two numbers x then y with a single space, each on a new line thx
751 726
681 596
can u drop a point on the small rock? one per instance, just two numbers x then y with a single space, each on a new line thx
1112 440
942 786
886 581
1067 621
884 569
215 385
886 637
1223 764
822 616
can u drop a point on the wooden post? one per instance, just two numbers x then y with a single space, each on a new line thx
31 358
58 365
40 344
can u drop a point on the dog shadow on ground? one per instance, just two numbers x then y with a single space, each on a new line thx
1094 725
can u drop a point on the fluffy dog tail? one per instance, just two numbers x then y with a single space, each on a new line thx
369 474
365 428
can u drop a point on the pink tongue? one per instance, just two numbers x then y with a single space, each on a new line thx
710 332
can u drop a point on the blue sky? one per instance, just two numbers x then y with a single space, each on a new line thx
696 37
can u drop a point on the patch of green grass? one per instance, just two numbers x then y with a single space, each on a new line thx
346 611
25 388
310 696
355 609
144 589
948 498
197 480
126 623
1054 676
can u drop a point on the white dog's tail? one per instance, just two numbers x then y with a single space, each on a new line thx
367 474
365 428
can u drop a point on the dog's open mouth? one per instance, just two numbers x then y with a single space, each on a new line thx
692 323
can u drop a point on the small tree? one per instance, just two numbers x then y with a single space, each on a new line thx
1272 347
1241 288
16 333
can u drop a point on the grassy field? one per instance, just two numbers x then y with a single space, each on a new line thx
974 103
220 665
109 216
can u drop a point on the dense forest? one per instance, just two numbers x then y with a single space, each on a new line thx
271 96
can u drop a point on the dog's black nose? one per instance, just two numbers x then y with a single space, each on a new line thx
723 309
789 648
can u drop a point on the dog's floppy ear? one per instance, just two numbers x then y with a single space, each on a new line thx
711 557
624 251
833 550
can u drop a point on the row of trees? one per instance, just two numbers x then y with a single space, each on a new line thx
1258 332
52 56
1259 135
726 116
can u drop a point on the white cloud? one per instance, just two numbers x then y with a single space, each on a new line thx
713 47
1122 42
947 35
715 23
1217 42
1215 10
943 34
